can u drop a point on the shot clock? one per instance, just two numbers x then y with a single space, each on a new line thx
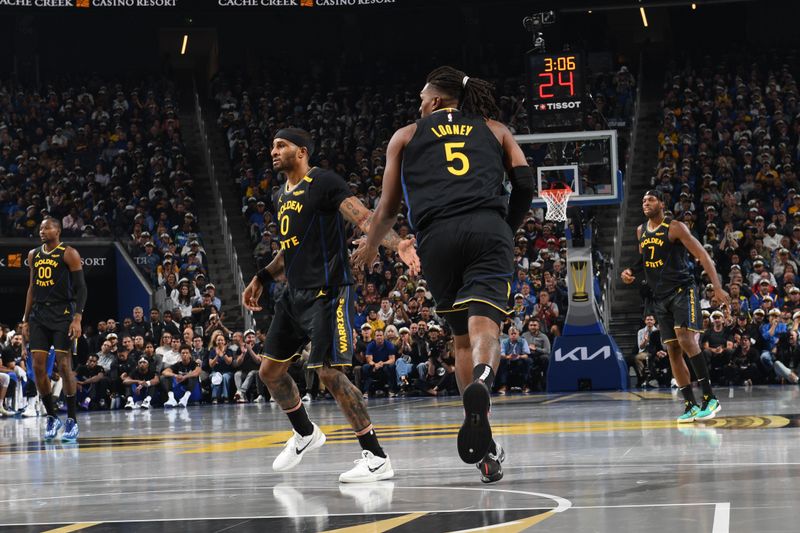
555 88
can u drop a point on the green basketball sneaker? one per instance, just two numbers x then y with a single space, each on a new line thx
690 414
709 409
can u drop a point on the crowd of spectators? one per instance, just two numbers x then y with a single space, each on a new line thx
107 160
728 151
114 166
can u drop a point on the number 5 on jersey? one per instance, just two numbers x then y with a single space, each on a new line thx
452 155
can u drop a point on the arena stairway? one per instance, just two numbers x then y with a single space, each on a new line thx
213 240
231 198
626 309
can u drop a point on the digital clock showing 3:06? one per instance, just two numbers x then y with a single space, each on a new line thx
555 77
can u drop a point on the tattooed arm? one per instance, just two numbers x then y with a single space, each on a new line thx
381 222
356 213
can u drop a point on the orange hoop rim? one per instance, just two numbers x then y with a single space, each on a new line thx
556 193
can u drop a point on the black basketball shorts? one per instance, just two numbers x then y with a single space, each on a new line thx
55 334
679 309
468 259
323 316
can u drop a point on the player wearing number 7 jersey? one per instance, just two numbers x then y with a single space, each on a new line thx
450 166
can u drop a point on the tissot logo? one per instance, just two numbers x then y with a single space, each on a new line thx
93 261
581 353
554 106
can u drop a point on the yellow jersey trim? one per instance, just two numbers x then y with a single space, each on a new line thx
265 356
331 364
59 246
468 300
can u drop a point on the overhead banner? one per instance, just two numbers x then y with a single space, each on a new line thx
97 259
91 5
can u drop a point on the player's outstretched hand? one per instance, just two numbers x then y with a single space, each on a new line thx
627 276
363 256
408 254
252 294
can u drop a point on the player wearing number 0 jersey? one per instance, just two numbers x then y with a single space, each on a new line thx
664 245
450 167
316 306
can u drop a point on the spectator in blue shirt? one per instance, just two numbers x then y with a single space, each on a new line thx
771 332
515 363
380 363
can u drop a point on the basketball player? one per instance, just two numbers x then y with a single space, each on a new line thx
663 245
318 302
54 306
453 162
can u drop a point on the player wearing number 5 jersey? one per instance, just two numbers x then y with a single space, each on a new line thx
450 167
54 306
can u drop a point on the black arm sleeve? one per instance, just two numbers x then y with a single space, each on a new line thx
638 267
79 289
521 195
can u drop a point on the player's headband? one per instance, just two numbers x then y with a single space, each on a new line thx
297 136
654 193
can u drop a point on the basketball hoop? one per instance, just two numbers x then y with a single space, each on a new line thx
556 200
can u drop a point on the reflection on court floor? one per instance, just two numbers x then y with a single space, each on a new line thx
576 462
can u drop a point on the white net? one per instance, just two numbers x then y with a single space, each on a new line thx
556 200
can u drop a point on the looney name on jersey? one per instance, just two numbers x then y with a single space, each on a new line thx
451 129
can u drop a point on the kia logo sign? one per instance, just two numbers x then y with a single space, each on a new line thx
581 353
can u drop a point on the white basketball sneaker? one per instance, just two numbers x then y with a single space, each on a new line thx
368 469
296 447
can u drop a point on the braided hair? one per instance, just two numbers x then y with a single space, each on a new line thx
474 95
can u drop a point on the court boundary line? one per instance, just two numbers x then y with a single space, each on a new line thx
562 504
398 512
509 468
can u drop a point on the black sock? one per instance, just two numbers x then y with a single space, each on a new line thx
484 373
369 441
300 422
688 394
72 407
49 404
701 371
493 448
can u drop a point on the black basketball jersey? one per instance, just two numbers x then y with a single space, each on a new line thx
666 265
52 287
312 231
453 165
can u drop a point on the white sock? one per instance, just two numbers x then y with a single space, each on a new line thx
171 395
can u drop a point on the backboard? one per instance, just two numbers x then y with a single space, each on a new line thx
584 160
